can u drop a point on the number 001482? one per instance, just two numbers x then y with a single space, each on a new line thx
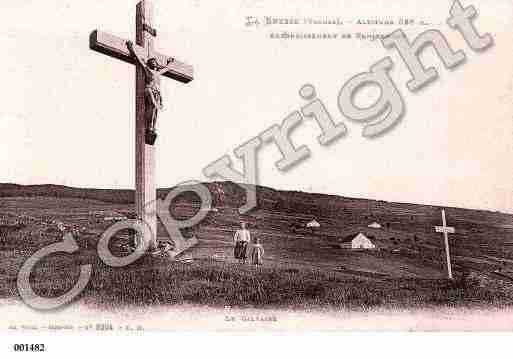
29 347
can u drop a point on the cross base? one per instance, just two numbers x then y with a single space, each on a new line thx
177 251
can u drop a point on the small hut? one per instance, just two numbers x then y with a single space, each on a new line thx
356 241
313 224
374 225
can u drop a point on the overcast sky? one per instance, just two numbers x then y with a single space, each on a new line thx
67 113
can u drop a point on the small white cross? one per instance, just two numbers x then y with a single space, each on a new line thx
446 230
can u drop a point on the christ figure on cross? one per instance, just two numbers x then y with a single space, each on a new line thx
152 94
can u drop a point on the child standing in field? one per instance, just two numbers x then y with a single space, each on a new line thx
257 252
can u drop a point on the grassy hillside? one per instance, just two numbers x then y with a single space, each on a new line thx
408 268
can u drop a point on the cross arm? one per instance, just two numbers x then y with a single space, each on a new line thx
114 46
442 229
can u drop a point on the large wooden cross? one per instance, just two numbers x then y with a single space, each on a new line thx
145 187
446 230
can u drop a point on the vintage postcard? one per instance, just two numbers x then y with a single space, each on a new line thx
256 166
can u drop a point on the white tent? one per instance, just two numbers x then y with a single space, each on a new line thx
374 225
313 224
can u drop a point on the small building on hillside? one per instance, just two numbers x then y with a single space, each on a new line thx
356 241
374 225
313 224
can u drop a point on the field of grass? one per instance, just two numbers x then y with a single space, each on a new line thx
221 284
303 268
153 281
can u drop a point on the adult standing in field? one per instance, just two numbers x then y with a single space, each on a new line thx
241 240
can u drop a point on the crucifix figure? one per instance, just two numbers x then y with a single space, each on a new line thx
152 94
446 230
148 103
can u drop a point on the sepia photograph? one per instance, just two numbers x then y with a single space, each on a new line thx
256 166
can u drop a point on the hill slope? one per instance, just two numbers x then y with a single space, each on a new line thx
409 246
